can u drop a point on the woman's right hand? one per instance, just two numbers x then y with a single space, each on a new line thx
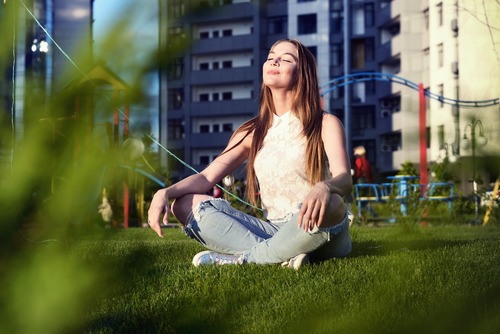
158 210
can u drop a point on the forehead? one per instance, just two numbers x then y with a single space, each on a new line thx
284 47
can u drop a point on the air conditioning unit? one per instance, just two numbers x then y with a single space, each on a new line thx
385 103
385 113
454 67
454 27
386 148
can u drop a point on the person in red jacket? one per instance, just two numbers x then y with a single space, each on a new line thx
363 173
362 167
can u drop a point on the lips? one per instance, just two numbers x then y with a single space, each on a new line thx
273 72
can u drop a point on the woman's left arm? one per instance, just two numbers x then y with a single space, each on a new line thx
324 201
334 140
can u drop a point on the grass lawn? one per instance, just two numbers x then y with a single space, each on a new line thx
443 279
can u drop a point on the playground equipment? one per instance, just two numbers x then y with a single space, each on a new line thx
423 93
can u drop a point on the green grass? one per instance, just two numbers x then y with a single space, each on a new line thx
433 280
440 279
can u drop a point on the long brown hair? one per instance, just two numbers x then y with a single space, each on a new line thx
307 108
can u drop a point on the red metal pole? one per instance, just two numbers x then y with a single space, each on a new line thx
126 122
423 138
126 203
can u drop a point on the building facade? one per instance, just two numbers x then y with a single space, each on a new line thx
434 43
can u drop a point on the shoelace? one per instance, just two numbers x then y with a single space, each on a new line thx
220 259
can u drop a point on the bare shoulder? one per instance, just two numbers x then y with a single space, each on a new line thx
241 138
331 122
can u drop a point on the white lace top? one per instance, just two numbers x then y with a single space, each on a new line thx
280 169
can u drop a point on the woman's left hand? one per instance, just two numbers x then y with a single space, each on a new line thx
314 206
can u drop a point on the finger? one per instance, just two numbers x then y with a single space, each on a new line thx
321 216
300 218
155 226
319 211
165 218
158 230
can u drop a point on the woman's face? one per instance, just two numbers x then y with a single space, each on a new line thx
281 65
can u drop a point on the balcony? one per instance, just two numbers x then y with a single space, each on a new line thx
210 140
224 44
231 12
383 16
223 76
246 107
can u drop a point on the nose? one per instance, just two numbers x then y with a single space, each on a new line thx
275 63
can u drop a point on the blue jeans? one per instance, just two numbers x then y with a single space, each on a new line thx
218 226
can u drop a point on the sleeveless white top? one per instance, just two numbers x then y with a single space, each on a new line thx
280 169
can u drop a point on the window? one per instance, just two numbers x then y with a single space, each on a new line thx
215 96
204 97
215 128
440 136
175 129
363 118
227 127
369 15
204 66
215 34
439 9
204 128
227 95
358 53
277 25
369 49
175 98
175 9
337 54
176 69
215 65
314 51
337 21
306 24
227 64
441 93
204 159
426 18
204 35
440 54
227 33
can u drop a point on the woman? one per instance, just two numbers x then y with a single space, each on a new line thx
296 161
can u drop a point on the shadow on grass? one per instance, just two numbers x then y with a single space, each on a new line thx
373 248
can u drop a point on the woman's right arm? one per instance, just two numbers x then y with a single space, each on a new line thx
234 155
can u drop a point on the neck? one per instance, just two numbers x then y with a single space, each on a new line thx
282 102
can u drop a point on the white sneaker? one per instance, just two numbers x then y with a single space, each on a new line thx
296 262
210 258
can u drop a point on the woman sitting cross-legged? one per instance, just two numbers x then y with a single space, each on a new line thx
296 161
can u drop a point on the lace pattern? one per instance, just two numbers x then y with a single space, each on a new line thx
280 169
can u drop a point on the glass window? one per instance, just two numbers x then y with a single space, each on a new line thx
204 97
175 98
439 9
277 25
204 128
227 127
204 160
307 24
440 54
227 95
175 129
369 15
337 54
204 66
